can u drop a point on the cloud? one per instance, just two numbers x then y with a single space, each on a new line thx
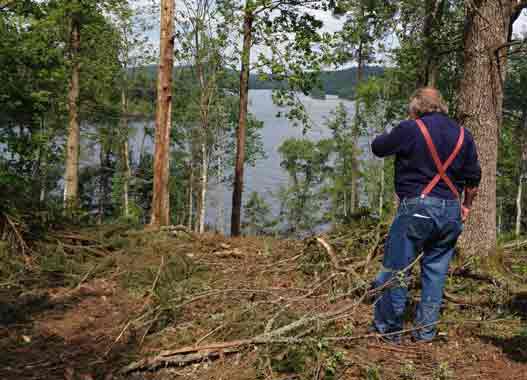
520 26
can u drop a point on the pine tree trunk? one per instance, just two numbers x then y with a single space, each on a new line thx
480 110
161 195
71 186
242 124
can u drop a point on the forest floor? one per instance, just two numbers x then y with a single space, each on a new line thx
120 304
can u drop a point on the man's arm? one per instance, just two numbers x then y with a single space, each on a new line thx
472 174
399 140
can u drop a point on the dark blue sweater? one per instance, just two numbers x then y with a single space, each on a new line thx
414 166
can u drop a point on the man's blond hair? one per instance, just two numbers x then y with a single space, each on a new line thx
426 99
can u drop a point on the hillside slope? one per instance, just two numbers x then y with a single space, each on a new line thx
170 303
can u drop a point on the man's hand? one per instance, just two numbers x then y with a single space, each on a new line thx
470 194
465 211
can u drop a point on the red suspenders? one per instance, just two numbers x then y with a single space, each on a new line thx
441 168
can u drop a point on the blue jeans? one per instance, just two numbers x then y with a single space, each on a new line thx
428 225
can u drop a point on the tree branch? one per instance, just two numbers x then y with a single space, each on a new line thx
519 6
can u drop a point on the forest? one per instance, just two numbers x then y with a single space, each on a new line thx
189 190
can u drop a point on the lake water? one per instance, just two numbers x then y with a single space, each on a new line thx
267 177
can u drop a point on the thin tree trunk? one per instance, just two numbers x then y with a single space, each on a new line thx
429 72
204 115
71 185
204 181
242 123
161 194
126 154
480 110
355 175
519 207
523 170
221 201
190 195
381 192
43 165
354 193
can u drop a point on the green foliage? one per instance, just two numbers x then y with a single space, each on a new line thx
373 373
343 188
307 164
408 371
257 216
443 372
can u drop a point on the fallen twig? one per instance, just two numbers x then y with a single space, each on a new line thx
192 354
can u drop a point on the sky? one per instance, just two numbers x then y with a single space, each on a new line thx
331 24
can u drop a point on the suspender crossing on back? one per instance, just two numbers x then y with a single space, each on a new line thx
441 167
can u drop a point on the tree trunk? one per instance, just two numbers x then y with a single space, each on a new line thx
161 194
480 110
519 207
352 193
204 116
242 124
221 202
204 181
429 72
125 154
381 192
71 185
43 165
220 151
190 195
523 170
355 174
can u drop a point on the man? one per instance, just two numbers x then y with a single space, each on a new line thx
435 161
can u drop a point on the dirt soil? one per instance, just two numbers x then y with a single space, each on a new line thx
231 289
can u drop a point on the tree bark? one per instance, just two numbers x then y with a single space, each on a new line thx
242 123
71 185
190 195
523 170
381 192
480 109
519 207
125 153
205 88
204 182
161 195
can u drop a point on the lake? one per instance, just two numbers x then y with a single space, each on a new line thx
267 176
